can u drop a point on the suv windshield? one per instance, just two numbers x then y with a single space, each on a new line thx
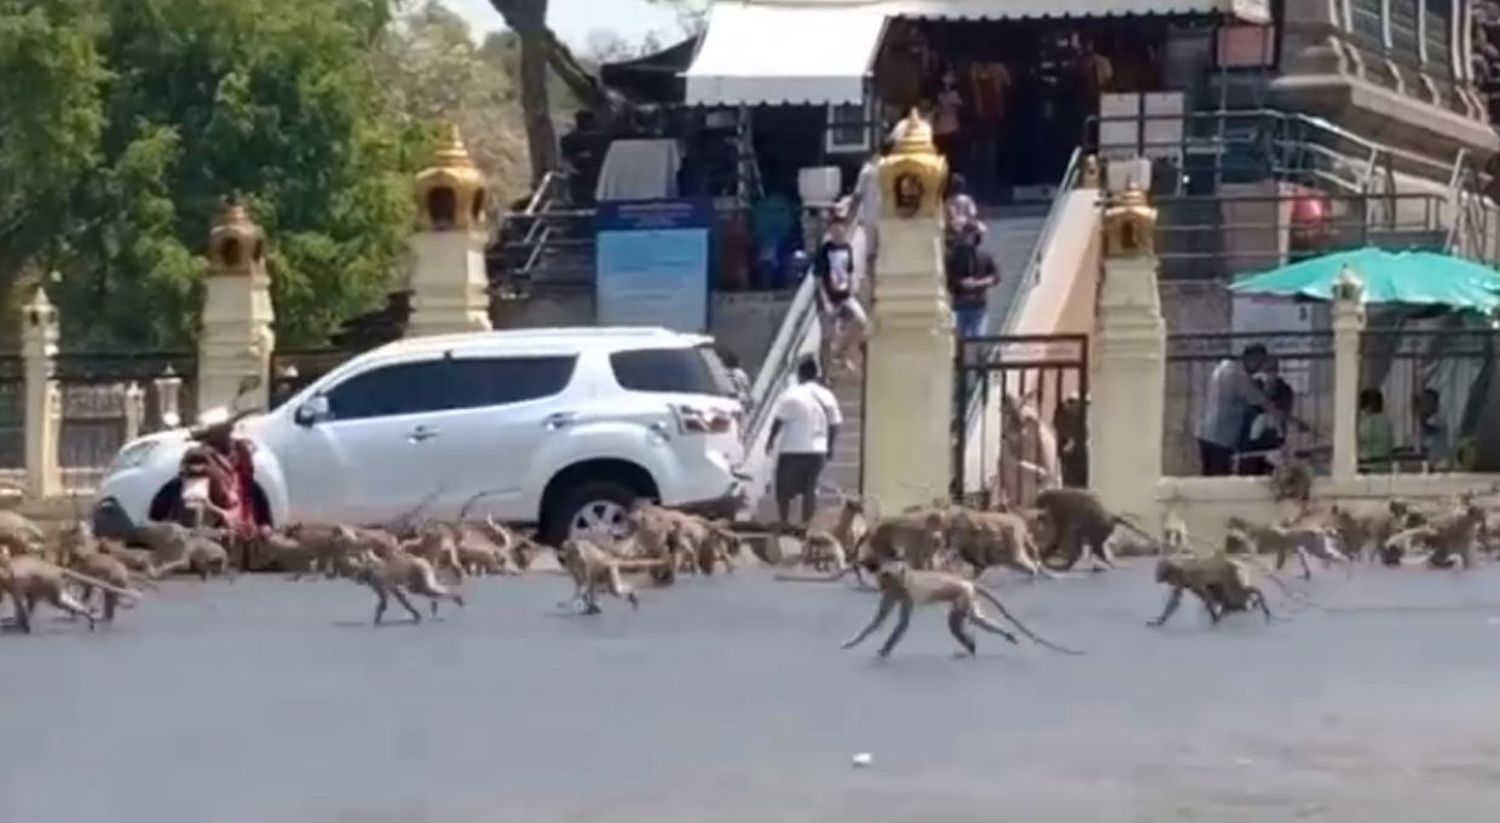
679 371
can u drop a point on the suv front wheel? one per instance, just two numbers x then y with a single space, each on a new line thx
596 510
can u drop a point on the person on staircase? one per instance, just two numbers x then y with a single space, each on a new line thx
838 291
972 272
806 425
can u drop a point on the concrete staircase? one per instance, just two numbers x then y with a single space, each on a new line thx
1011 237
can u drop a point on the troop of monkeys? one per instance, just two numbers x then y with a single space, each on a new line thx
910 555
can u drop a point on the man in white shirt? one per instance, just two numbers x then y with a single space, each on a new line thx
1232 396
807 421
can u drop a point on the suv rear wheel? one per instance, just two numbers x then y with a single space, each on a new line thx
598 510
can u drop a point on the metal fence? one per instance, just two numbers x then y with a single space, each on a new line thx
1303 359
1438 395
12 412
95 391
1048 374
1225 235
294 370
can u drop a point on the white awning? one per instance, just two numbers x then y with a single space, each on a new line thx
756 54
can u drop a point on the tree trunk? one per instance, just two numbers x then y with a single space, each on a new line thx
528 18
584 85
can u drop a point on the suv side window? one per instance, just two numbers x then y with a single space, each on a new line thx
387 391
495 381
679 371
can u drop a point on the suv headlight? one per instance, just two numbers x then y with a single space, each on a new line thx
134 455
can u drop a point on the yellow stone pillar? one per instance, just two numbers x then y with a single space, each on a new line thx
908 407
236 340
450 292
1127 367
43 422
1348 328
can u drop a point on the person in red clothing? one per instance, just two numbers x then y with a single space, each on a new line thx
230 463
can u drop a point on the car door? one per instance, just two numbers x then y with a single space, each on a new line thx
503 407
369 458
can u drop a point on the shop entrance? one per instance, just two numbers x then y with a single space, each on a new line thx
1009 100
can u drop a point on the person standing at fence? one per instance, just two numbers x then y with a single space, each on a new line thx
1232 393
1434 443
971 274
807 422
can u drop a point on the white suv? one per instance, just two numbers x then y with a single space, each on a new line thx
562 428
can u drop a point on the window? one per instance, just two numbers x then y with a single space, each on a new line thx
1366 25
1438 15
1405 47
1243 47
848 128
404 388
679 371
495 381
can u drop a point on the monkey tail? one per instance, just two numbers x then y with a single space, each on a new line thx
1136 529
100 584
1004 612
811 578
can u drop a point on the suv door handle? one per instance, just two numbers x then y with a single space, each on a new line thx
559 420
421 433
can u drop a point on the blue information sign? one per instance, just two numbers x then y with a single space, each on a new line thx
652 263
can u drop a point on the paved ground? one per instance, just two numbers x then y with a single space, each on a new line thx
727 700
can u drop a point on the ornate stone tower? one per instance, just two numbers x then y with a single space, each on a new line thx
236 340
908 453
1127 380
450 290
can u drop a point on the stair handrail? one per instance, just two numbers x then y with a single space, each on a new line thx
539 230
973 401
781 359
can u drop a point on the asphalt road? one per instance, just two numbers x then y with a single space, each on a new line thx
728 700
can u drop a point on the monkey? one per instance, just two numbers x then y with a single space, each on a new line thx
482 549
823 551
900 585
1223 584
20 533
1285 539
701 545
914 537
985 539
1080 525
28 578
1360 528
398 574
436 544
1452 537
199 555
1174 533
103 567
591 568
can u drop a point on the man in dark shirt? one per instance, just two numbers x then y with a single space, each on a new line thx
834 267
971 274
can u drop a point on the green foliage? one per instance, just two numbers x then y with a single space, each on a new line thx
134 119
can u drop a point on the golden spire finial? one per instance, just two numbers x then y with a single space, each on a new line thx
916 135
236 241
451 190
1129 223
452 153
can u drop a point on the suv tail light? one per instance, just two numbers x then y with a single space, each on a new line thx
693 420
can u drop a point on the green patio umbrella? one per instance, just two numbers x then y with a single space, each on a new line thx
1416 278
